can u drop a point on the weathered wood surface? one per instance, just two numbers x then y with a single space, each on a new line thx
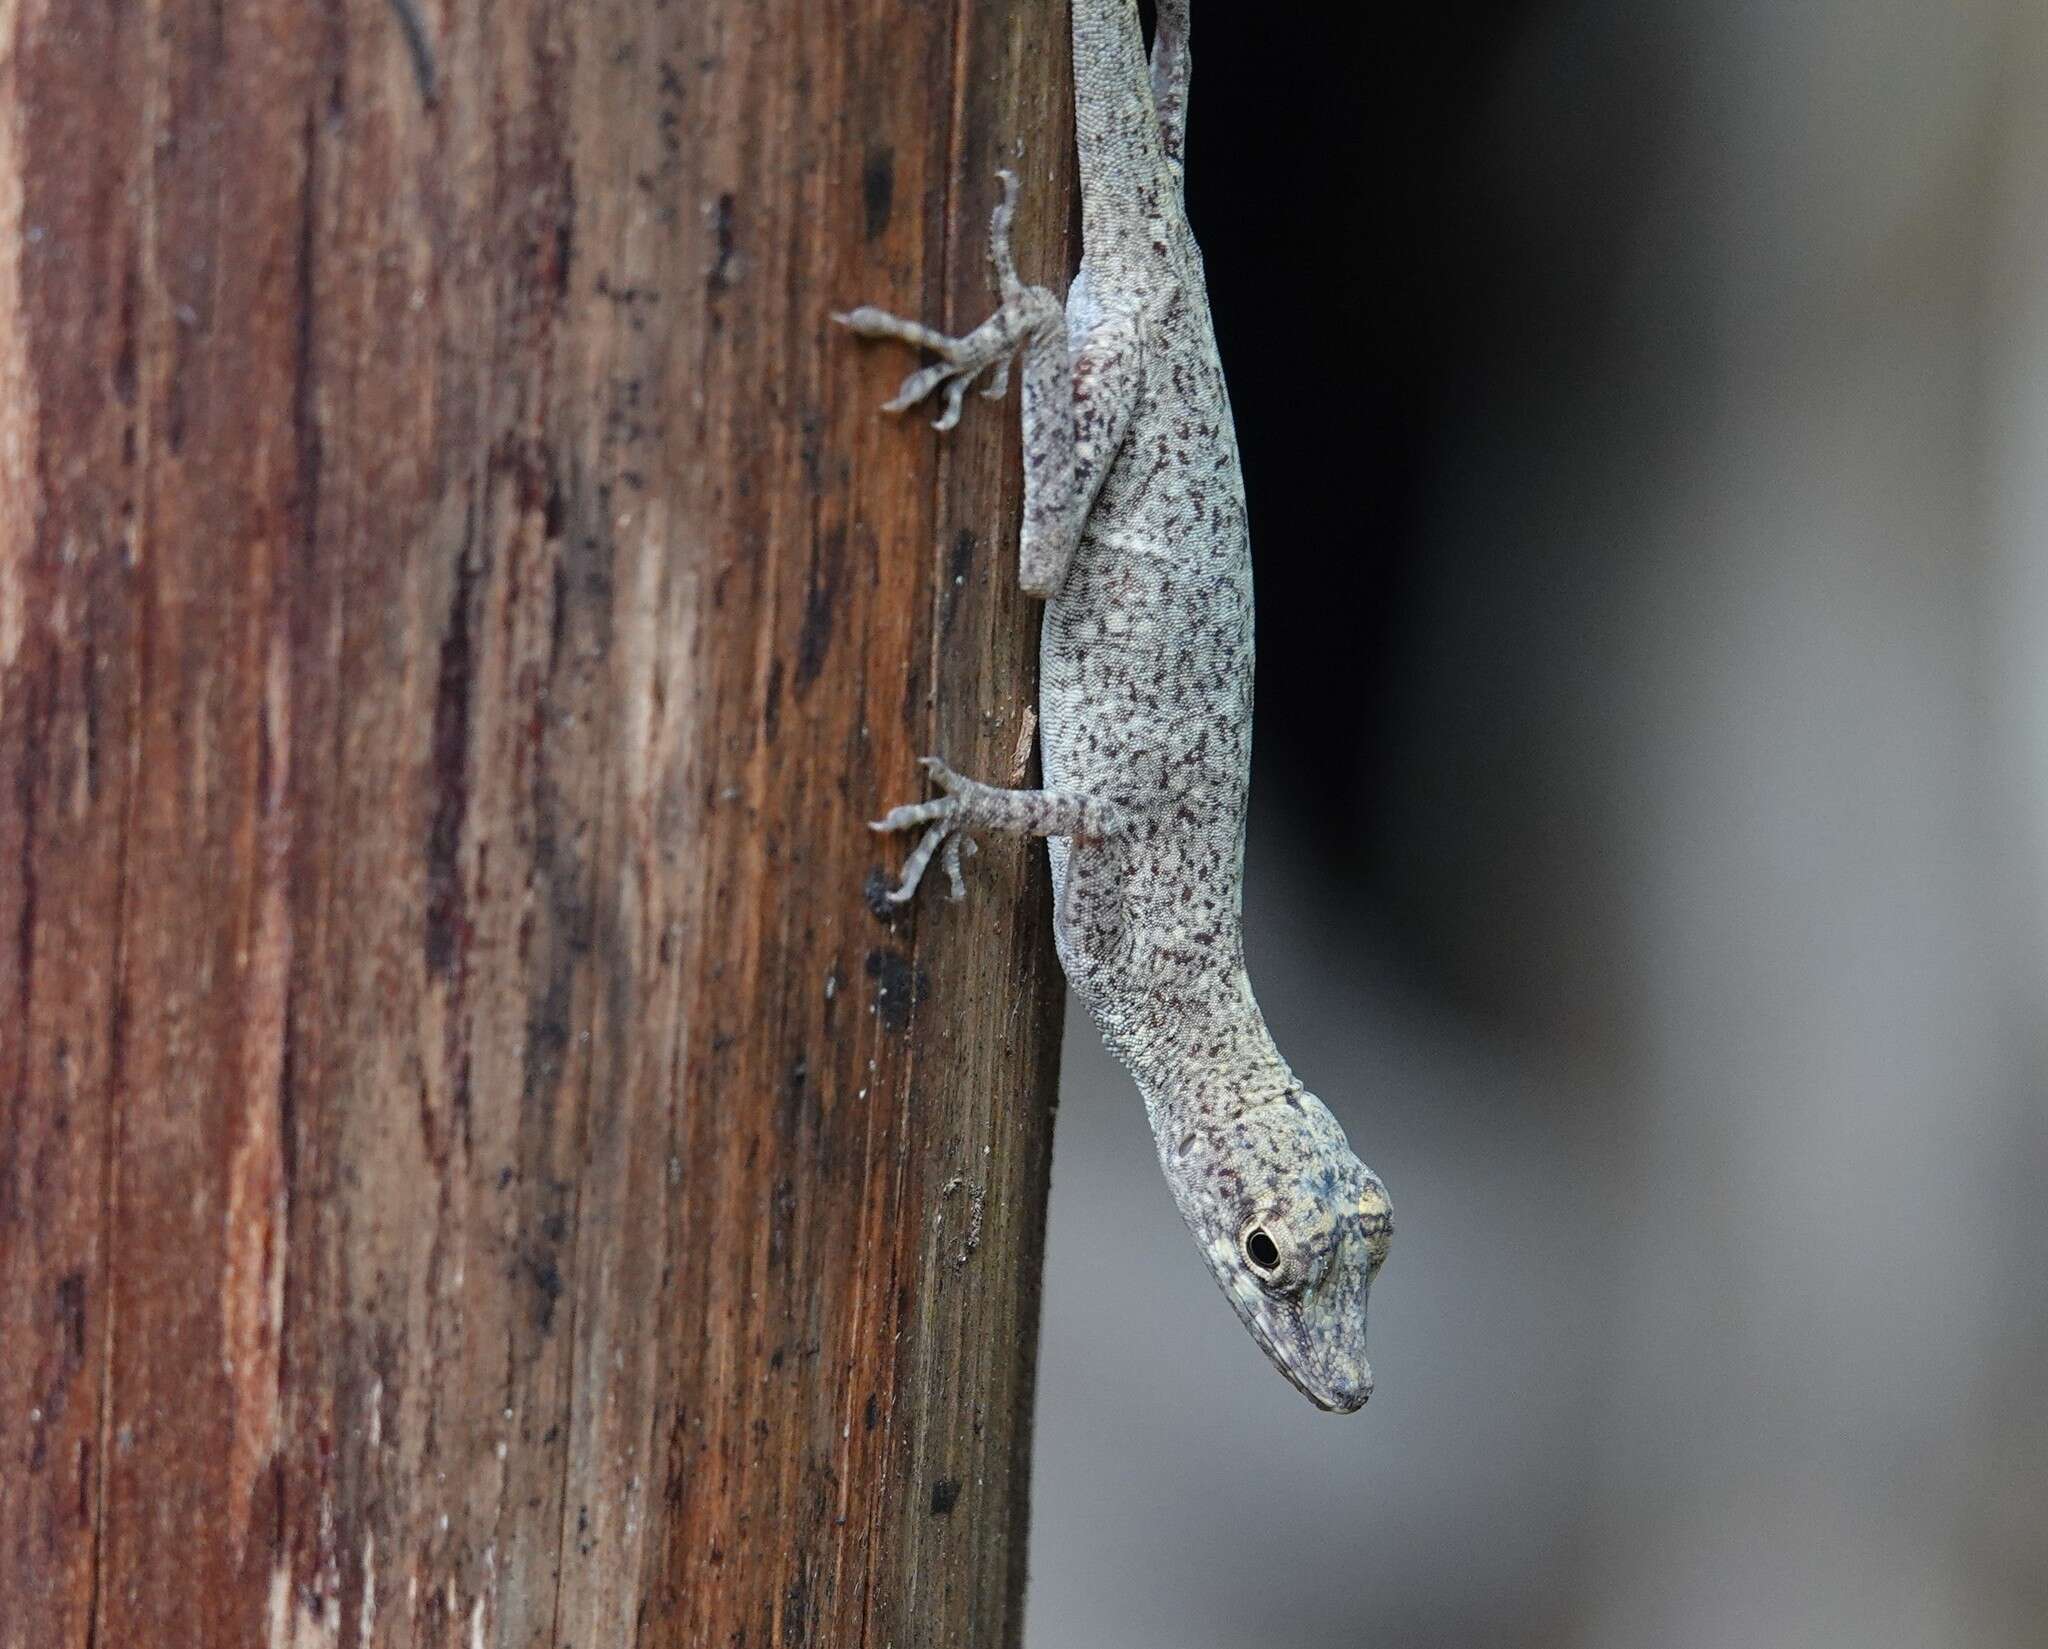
474 1168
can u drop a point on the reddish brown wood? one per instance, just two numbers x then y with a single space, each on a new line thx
474 1166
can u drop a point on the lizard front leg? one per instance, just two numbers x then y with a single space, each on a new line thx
969 803
1079 393
1028 318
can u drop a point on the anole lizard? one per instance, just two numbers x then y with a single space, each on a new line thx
1134 531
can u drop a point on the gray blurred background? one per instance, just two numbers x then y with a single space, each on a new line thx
1649 859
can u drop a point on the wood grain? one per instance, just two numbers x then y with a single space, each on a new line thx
475 1167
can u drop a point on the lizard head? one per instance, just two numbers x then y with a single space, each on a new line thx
1295 1228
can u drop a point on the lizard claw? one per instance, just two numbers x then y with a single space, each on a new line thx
954 390
941 838
960 362
918 385
957 847
920 856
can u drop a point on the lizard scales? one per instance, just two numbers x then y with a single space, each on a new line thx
1135 532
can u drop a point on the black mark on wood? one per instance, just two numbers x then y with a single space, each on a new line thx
878 189
898 986
724 267
451 781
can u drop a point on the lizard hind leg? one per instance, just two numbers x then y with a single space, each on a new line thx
967 803
1079 395
1027 318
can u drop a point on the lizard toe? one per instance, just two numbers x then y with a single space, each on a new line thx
957 847
938 835
912 814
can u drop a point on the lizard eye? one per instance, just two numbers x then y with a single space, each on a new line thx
1275 1256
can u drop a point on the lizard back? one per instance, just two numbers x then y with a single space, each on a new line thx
1146 678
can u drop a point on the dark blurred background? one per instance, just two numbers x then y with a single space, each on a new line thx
1645 417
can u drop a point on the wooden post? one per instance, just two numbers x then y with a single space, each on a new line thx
475 1166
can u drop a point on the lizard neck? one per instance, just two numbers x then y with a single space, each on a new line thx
1201 1054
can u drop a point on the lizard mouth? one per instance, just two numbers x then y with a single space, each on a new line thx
1321 1370
1337 1399
1333 1395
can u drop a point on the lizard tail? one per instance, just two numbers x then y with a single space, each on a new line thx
1170 64
1117 125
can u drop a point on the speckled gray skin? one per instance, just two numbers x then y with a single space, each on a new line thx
1134 529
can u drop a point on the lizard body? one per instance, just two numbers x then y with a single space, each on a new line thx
1135 533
